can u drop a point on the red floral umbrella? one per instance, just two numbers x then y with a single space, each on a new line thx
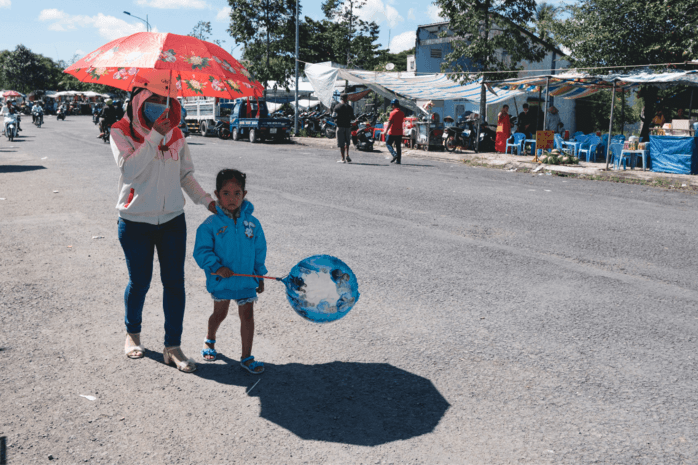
155 60
11 93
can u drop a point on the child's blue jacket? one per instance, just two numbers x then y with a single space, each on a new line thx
241 247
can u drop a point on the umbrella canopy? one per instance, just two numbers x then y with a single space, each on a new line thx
11 93
167 63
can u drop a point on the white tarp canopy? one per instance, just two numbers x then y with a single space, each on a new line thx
407 87
87 93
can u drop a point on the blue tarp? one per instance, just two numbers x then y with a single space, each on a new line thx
674 154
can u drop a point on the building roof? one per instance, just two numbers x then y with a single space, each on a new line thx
525 31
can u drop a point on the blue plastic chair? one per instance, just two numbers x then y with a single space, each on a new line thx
589 147
557 142
616 151
516 141
577 134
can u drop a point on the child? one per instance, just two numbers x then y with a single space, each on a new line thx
232 242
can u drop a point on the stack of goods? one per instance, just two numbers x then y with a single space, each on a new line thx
555 157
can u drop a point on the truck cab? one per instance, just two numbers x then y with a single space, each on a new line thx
250 118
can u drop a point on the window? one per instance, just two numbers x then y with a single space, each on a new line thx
436 53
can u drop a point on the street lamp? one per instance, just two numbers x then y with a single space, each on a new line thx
147 24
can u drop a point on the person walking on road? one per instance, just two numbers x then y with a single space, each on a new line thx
345 115
394 132
155 165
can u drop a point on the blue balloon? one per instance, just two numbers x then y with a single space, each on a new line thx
321 288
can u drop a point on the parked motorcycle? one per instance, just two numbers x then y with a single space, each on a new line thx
329 127
362 131
222 130
454 136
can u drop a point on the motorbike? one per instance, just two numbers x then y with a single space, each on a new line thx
222 130
455 136
11 126
487 138
329 127
38 118
107 133
60 114
362 132
95 117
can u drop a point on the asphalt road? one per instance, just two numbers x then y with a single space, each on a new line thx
504 317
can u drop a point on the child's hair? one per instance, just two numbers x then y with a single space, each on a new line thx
228 175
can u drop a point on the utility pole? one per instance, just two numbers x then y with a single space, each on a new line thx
266 15
351 17
295 116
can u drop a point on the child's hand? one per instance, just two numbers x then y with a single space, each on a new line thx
260 289
224 272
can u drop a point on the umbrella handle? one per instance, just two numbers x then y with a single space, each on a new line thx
255 276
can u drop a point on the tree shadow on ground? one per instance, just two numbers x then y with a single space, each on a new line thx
364 404
20 168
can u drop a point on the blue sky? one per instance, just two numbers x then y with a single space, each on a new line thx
60 29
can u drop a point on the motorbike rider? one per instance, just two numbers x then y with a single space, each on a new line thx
37 112
107 117
10 109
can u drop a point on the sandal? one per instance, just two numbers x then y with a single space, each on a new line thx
133 348
175 354
252 366
209 351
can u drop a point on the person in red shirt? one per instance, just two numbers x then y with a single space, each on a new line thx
394 132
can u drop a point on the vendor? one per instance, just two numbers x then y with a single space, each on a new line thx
524 122
658 120
554 123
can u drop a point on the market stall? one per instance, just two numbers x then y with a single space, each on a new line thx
670 152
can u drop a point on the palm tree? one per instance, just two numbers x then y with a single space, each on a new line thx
546 15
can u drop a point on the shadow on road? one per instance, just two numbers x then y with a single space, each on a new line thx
365 404
20 168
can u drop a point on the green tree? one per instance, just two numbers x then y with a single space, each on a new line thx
203 31
25 71
606 33
354 36
398 59
267 30
544 20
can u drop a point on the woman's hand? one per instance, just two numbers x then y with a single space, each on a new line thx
163 124
260 289
224 272
212 207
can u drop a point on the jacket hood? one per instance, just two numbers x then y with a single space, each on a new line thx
173 140
245 209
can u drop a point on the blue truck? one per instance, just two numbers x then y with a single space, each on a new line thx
250 118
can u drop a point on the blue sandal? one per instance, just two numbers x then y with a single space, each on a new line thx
252 366
208 351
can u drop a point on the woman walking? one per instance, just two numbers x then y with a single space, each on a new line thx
155 165
503 130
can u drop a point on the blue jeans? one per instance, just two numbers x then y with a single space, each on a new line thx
139 241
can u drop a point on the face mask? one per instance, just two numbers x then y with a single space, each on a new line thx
152 111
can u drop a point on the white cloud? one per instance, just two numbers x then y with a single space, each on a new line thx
108 27
410 15
51 14
224 14
434 14
402 42
174 4
376 10
80 53
5 3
